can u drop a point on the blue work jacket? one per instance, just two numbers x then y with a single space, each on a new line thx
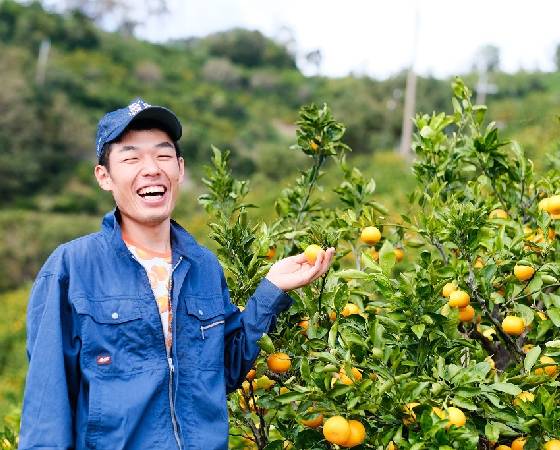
99 376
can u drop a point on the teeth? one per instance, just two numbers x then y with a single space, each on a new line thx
152 190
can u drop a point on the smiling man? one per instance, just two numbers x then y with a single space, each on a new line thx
132 339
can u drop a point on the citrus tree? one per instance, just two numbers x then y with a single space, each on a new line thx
438 328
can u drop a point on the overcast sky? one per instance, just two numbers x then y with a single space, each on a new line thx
377 37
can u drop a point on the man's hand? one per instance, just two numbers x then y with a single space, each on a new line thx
294 271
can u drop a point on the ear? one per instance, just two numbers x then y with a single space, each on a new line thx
181 162
103 177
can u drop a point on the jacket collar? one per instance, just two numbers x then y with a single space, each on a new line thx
182 243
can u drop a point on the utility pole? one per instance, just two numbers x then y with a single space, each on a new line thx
409 97
42 60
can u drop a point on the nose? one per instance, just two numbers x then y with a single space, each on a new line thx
150 166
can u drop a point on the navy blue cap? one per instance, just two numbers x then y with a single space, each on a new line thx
112 124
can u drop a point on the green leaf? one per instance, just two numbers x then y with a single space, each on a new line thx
291 397
304 369
507 388
352 274
387 257
531 358
554 314
325 356
418 329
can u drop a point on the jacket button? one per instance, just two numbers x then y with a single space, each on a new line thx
115 315
200 312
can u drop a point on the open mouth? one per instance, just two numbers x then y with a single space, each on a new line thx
152 193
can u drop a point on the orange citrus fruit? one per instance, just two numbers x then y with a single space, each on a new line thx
336 430
399 254
357 434
279 362
553 444
313 422
345 379
466 314
349 309
456 417
523 273
251 375
370 235
270 253
512 325
311 253
518 443
551 369
498 214
449 288
522 397
459 299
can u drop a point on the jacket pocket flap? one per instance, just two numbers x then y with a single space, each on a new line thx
205 308
112 311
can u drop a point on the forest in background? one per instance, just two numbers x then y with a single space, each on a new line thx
237 90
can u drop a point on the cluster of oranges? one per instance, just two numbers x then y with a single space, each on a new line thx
346 433
459 299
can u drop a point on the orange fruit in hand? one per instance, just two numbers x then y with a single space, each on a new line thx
523 273
336 430
357 434
311 253
370 235
466 314
459 299
503 447
279 362
512 325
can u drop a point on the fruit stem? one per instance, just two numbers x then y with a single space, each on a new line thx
312 182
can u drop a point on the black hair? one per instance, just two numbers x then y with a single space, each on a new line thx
136 125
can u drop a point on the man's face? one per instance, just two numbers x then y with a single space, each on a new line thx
144 176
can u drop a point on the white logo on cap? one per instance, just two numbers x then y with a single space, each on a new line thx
136 107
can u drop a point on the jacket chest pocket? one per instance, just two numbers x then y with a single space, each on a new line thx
113 334
207 314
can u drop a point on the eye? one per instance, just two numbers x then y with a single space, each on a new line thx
130 160
165 157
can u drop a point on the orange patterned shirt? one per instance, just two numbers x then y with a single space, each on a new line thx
158 269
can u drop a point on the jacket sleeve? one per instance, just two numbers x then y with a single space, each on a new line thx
52 381
244 329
